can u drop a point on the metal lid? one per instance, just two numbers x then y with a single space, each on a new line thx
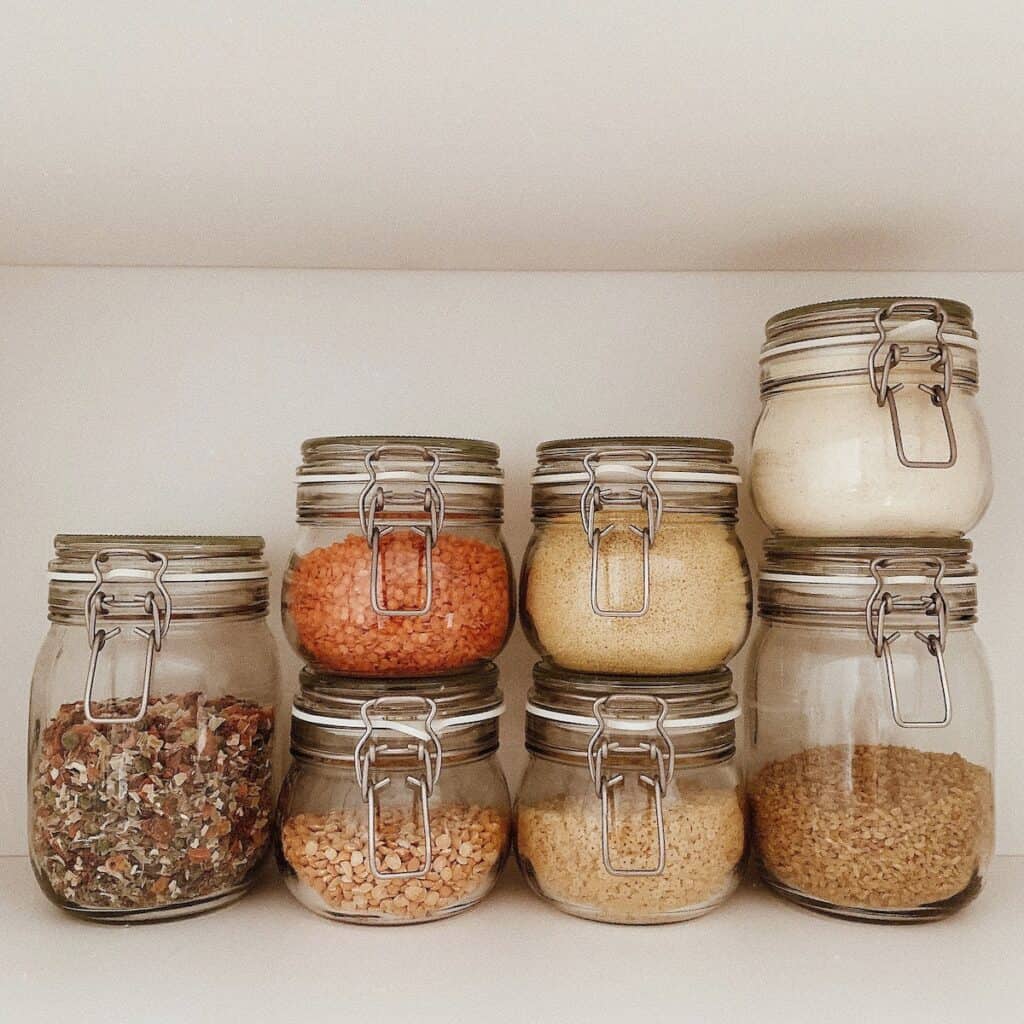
189 559
345 458
851 319
576 460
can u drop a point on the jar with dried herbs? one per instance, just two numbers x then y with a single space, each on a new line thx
870 713
151 726
395 810
631 809
399 569
634 566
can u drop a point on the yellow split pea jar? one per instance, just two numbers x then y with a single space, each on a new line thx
634 566
395 809
631 809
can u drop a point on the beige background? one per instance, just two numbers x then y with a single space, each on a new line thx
175 400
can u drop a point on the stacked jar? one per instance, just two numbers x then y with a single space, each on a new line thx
635 591
869 704
398 595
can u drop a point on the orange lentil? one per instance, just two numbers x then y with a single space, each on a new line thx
328 599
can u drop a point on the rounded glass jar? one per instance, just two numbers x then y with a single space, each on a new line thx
151 726
399 568
870 423
631 809
869 706
409 773
634 566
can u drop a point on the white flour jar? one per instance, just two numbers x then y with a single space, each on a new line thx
870 423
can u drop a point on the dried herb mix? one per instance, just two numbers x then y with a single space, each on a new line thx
168 810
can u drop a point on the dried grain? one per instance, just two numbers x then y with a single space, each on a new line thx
558 842
327 597
699 610
345 886
879 827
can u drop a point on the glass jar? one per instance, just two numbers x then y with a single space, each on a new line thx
870 423
631 809
409 773
634 566
151 726
871 728
399 568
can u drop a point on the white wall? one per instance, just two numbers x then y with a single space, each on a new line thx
138 400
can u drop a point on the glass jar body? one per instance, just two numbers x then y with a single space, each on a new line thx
852 814
327 606
824 461
169 816
323 845
560 850
699 598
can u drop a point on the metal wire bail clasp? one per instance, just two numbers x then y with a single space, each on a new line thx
372 502
594 498
154 602
881 603
941 360
425 747
659 750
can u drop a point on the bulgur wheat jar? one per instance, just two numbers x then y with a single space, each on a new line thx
150 789
395 809
870 424
631 809
634 566
399 568
869 709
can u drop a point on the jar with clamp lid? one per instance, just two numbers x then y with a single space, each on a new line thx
871 726
631 809
151 726
634 566
399 569
870 423
395 809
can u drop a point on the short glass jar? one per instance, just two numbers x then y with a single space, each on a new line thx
870 423
399 568
151 726
631 809
869 706
634 566
395 809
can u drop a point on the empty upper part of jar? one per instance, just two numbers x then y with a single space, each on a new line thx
395 809
631 809
634 566
870 423
399 568
150 742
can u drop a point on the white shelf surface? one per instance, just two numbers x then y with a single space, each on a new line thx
512 959
653 135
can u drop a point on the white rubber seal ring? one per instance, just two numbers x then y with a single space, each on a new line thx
631 725
393 474
131 575
955 340
665 476
863 581
440 725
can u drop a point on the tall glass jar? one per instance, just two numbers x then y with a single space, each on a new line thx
871 728
631 809
399 568
395 809
870 423
151 726
634 566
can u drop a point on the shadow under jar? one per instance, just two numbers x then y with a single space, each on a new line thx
634 566
151 726
395 809
871 726
399 568
631 809
870 423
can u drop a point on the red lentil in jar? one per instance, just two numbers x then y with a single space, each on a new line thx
400 568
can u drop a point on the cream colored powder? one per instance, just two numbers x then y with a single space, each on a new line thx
699 610
558 842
